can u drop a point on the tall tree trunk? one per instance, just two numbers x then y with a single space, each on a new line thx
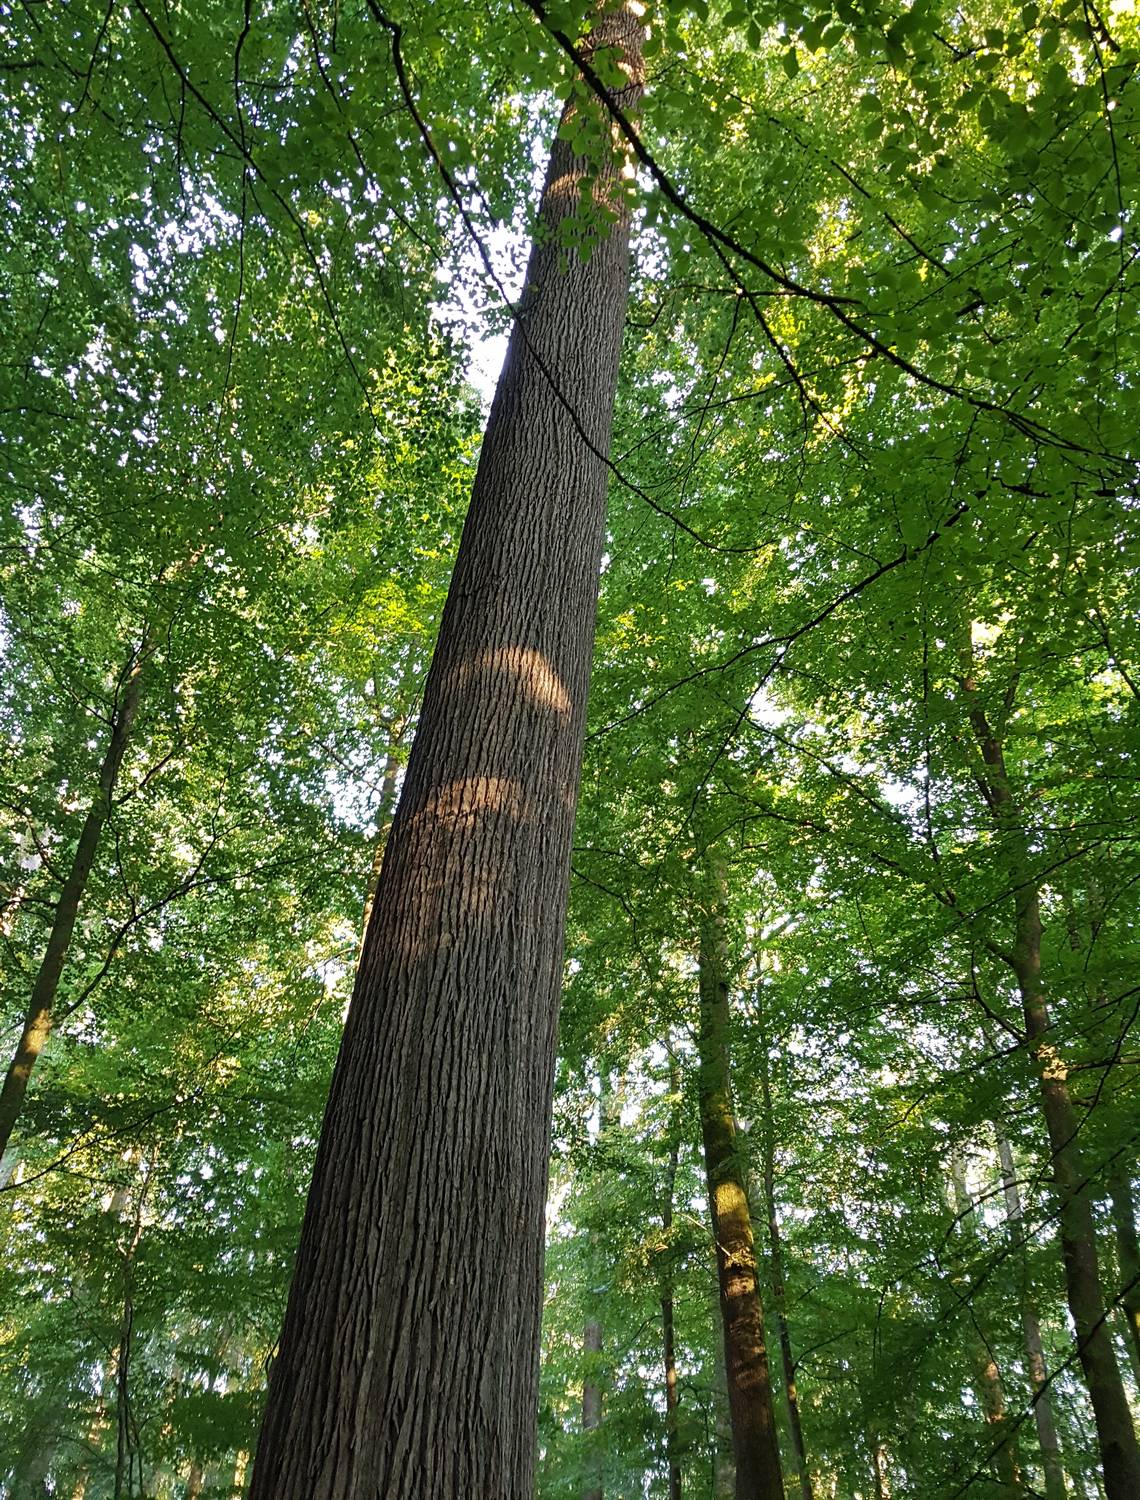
668 1327
754 1441
39 1017
1128 1257
1120 1455
987 1372
1051 1460
776 1261
408 1362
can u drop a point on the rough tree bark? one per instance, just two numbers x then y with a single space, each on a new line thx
1051 1461
41 1008
408 1362
987 1372
1116 1437
754 1441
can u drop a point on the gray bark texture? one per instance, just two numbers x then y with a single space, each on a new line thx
408 1362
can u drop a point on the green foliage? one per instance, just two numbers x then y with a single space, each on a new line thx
875 439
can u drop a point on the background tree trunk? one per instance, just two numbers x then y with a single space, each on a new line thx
987 1372
776 1261
1051 1461
668 1327
879 1471
592 1401
409 1358
39 1017
385 808
592 1331
1116 1436
1128 1257
755 1446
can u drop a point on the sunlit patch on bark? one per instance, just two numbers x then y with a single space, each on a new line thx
467 796
1052 1064
528 668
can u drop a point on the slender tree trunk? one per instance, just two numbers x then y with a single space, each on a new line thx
408 1363
776 1261
1120 1455
1051 1460
724 1463
1117 1438
592 1330
672 1452
1128 1258
754 1440
128 1448
385 809
668 1328
987 1372
879 1471
592 1399
194 1481
39 1017
107 1383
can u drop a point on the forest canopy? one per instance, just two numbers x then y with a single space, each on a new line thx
842 1120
